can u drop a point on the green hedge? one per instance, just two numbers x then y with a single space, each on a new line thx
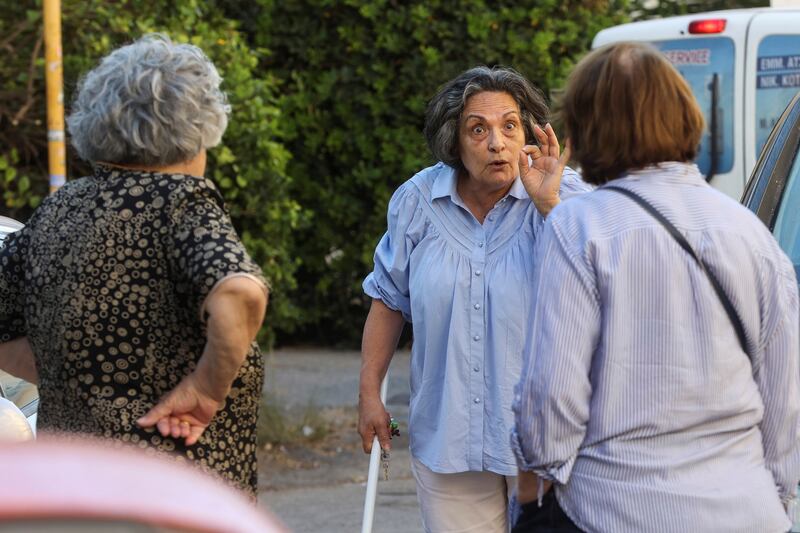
328 102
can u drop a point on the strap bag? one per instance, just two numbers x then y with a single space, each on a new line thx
678 236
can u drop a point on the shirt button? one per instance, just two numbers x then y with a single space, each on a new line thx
477 400
476 369
480 244
476 338
477 306
491 217
477 272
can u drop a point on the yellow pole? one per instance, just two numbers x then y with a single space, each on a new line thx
54 76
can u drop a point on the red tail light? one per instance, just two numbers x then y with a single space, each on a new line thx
707 26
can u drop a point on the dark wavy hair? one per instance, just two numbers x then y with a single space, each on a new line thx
444 110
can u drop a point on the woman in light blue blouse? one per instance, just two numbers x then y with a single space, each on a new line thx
457 262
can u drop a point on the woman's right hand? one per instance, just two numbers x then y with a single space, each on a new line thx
542 178
373 419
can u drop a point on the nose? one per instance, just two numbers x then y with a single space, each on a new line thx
496 142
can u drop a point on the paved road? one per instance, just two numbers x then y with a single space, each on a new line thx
330 379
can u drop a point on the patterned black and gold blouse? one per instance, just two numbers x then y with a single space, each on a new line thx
107 281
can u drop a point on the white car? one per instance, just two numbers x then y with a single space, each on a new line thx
20 392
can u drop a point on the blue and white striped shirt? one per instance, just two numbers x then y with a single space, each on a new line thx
463 286
636 397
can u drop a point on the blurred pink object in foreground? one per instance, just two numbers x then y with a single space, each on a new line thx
49 484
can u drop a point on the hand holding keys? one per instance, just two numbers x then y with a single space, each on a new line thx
394 431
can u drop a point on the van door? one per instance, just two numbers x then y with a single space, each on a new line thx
709 66
772 75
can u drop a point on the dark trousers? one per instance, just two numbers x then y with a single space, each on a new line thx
549 518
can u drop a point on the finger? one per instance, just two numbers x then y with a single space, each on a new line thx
524 165
383 437
186 429
552 140
159 411
366 439
532 150
175 427
163 426
541 138
194 434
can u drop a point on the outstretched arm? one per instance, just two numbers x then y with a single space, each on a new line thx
235 312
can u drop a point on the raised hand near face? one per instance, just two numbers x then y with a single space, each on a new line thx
541 174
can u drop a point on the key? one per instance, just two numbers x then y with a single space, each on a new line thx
385 464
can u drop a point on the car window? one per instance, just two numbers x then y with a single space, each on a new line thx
707 64
778 80
787 223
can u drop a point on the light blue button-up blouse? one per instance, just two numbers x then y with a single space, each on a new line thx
466 288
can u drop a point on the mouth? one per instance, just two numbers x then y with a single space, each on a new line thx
498 164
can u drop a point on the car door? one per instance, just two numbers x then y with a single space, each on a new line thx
23 394
773 192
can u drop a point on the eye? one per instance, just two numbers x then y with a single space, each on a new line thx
478 130
511 126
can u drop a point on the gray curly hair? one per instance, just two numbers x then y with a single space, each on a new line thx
152 103
444 111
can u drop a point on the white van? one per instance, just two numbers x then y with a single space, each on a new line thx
744 68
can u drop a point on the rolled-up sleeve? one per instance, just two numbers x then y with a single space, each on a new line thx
777 374
205 247
552 399
12 279
389 279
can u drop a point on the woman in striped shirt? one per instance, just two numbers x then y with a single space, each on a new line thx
639 401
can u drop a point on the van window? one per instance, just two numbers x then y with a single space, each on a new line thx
778 80
707 63
787 225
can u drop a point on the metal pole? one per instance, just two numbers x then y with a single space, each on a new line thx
54 75
374 470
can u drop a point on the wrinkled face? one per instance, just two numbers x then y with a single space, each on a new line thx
490 139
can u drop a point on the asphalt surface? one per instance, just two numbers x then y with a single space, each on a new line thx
330 498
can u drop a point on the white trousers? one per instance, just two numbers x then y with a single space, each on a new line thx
464 502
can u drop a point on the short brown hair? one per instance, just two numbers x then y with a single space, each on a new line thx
626 107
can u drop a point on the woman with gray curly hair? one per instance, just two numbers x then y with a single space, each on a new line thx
456 262
128 297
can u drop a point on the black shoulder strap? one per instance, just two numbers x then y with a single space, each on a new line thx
678 236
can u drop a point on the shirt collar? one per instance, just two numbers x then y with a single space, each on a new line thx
446 185
668 171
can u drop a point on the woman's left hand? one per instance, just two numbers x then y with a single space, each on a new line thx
542 178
